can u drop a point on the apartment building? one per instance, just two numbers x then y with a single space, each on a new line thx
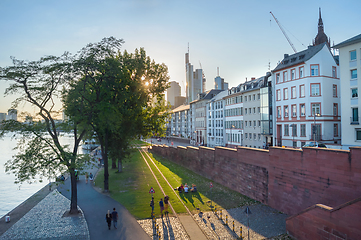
233 113
180 122
215 120
199 115
307 98
350 66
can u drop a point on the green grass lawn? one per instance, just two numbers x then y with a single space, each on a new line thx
131 187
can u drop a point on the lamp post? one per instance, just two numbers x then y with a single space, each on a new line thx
314 127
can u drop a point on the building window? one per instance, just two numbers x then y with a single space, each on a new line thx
315 89
254 97
334 90
315 109
285 93
250 136
335 109
250 123
294 111
254 110
287 130
259 123
354 93
286 111
301 72
246 135
245 111
354 118
258 96
285 76
358 134
302 110
293 74
314 70
277 78
258 109
245 123
278 112
249 98
254 136
302 90
293 92
353 55
303 130
294 130
334 73
353 73
278 95
335 130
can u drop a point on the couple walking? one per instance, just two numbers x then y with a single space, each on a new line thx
164 205
113 216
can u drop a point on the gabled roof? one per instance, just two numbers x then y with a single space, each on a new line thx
350 41
299 57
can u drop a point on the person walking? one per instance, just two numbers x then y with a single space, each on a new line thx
152 205
161 205
86 177
115 218
108 218
166 199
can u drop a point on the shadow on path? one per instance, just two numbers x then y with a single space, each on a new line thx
95 206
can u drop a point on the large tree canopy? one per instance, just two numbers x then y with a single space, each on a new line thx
119 94
40 151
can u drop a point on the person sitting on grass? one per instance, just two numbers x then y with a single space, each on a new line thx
180 188
186 188
194 188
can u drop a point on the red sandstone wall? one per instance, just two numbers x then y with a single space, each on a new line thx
288 180
299 179
322 222
230 167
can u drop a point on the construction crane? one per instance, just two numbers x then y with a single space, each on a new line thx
284 33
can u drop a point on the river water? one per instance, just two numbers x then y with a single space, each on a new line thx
11 194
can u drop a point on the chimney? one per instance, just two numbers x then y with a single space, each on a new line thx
253 78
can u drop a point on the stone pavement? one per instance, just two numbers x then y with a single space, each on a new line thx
265 223
47 221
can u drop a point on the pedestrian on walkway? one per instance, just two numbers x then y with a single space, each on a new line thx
161 205
108 218
166 199
86 177
115 218
152 205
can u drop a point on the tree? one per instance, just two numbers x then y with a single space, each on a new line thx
119 94
40 151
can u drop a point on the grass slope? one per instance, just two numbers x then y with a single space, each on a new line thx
131 187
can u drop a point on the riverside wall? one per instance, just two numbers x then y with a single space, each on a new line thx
289 180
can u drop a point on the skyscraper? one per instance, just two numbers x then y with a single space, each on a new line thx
195 81
172 92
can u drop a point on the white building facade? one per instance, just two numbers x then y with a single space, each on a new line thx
350 68
215 120
307 98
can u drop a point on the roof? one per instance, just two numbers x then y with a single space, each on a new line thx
299 57
180 108
207 95
350 41
220 95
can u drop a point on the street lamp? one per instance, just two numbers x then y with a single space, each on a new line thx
314 127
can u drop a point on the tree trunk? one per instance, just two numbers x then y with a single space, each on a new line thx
120 165
114 164
105 158
74 193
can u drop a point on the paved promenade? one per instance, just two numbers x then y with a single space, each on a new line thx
46 221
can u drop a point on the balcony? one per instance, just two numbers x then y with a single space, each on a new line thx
354 121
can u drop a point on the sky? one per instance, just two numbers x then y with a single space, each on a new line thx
240 37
